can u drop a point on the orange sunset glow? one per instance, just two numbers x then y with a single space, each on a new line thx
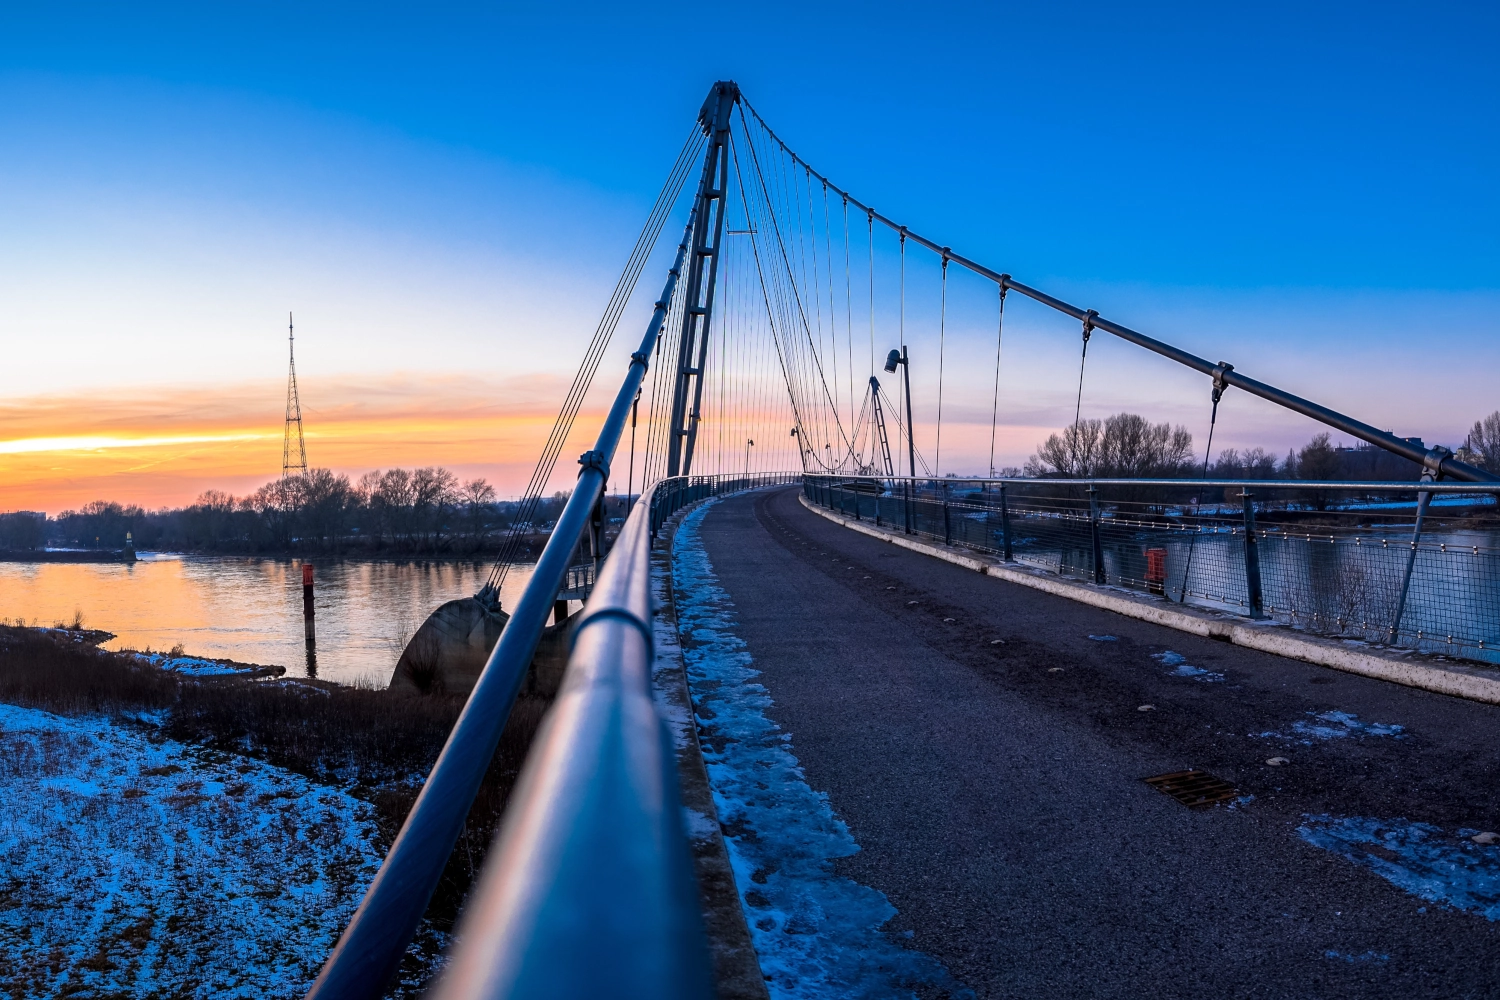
163 446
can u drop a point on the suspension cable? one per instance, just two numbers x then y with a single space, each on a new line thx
870 242
1088 329
937 458
902 336
1208 450
995 406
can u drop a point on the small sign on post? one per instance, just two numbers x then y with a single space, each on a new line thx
1156 571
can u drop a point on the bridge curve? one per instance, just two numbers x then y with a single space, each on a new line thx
997 794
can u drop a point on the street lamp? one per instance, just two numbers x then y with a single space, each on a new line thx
900 357
748 445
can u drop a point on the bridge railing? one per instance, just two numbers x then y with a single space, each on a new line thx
1407 564
590 891
671 495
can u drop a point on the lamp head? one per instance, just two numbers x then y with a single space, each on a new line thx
892 360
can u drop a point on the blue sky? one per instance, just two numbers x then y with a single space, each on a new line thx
1308 192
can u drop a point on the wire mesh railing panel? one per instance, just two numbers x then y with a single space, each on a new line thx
1366 561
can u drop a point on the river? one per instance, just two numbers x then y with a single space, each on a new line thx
251 609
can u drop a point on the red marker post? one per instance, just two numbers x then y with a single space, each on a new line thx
307 590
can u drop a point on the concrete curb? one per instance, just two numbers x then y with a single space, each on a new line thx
1475 684
737 972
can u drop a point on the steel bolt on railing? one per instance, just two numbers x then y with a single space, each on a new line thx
1360 560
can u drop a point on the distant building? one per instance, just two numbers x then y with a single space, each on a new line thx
1365 461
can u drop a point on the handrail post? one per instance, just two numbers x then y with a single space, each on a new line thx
1005 526
1430 473
1252 559
1100 577
947 520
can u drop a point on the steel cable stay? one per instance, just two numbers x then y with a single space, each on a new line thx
800 427
562 426
801 313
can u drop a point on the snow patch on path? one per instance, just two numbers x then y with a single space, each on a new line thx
817 934
1182 668
1334 725
136 866
1416 857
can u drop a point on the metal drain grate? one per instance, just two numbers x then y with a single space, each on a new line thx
1194 789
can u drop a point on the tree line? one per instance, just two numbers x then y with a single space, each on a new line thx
1128 446
395 511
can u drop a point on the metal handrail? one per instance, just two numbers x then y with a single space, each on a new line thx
1370 486
590 890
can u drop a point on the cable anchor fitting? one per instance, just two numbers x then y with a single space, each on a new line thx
644 360
1221 369
1432 463
593 460
1088 324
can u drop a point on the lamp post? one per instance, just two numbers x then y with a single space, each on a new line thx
900 357
748 445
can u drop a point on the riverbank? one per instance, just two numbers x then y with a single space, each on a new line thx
111 762
67 555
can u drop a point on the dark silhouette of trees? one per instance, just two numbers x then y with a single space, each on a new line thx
405 511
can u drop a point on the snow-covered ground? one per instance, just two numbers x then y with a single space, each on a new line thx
197 666
135 866
816 933
1450 869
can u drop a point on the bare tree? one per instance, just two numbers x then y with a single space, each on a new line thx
1482 446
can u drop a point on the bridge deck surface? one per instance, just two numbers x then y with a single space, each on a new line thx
1000 804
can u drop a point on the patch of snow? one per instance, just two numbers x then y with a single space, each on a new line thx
677 716
816 934
191 666
1335 725
1182 668
140 867
1103 638
699 827
1418 858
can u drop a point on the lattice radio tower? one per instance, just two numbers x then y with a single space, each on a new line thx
293 412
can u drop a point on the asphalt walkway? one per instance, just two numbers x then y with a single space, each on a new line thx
996 789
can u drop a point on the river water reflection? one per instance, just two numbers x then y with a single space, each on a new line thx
251 609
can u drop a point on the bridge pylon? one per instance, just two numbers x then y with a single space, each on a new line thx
703 272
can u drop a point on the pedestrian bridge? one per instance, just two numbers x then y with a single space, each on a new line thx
843 718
